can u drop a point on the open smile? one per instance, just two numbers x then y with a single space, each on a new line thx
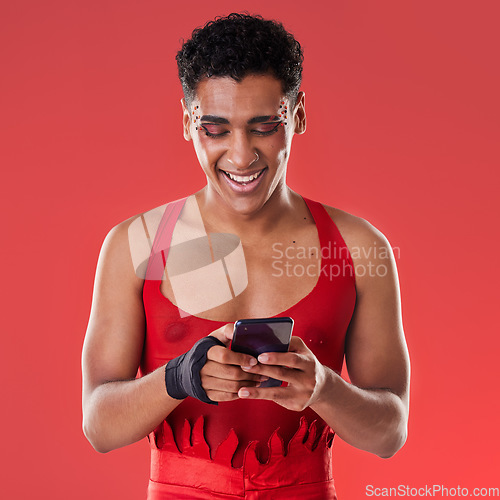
243 183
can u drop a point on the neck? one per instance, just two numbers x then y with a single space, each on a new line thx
221 217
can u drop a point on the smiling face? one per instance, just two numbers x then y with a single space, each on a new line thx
242 134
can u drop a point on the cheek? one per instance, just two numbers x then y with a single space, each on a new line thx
276 143
205 147
279 149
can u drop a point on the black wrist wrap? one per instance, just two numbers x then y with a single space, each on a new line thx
182 374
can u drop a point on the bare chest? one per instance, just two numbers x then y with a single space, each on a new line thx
244 279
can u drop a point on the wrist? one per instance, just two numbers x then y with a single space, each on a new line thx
182 374
326 393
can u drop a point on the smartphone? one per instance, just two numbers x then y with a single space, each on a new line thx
255 336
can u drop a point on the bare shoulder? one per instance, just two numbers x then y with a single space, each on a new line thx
128 243
139 231
356 231
372 255
146 222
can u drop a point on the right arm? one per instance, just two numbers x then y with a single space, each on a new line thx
119 409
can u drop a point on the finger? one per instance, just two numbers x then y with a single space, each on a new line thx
220 396
290 375
277 394
288 397
225 356
224 333
224 385
297 345
290 359
230 372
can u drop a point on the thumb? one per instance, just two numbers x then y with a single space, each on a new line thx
224 333
298 345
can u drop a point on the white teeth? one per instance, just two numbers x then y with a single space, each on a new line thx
239 178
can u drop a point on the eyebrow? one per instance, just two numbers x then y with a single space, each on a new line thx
225 121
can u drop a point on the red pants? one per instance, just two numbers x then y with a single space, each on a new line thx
304 472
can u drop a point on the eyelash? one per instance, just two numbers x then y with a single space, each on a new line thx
216 136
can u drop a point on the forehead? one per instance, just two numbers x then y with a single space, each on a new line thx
254 95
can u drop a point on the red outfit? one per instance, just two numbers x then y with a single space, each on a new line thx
247 448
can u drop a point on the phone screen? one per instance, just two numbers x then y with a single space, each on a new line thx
255 336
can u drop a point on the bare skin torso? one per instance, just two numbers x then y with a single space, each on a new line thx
375 350
275 265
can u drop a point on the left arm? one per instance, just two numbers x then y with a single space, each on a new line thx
371 412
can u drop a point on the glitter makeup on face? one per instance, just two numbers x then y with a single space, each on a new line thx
283 112
195 117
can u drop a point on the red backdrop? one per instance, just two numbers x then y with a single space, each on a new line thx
403 107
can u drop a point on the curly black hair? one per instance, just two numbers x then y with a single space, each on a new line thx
238 45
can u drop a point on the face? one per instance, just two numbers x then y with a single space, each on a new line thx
242 134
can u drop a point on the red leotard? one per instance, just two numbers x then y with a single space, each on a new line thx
246 448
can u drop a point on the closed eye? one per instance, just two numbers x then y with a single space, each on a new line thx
217 130
266 128
214 130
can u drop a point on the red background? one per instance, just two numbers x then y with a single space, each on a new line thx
403 110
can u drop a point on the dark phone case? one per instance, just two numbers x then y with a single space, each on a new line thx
262 339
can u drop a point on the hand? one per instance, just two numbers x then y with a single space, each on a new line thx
299 367
222 375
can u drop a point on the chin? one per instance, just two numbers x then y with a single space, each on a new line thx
249 206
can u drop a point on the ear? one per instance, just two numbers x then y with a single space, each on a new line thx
186 121
299 114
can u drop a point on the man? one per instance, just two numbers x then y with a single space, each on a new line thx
170 283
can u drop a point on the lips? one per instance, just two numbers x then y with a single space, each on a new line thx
243 179
243 183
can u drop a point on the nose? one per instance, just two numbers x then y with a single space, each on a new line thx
241 153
